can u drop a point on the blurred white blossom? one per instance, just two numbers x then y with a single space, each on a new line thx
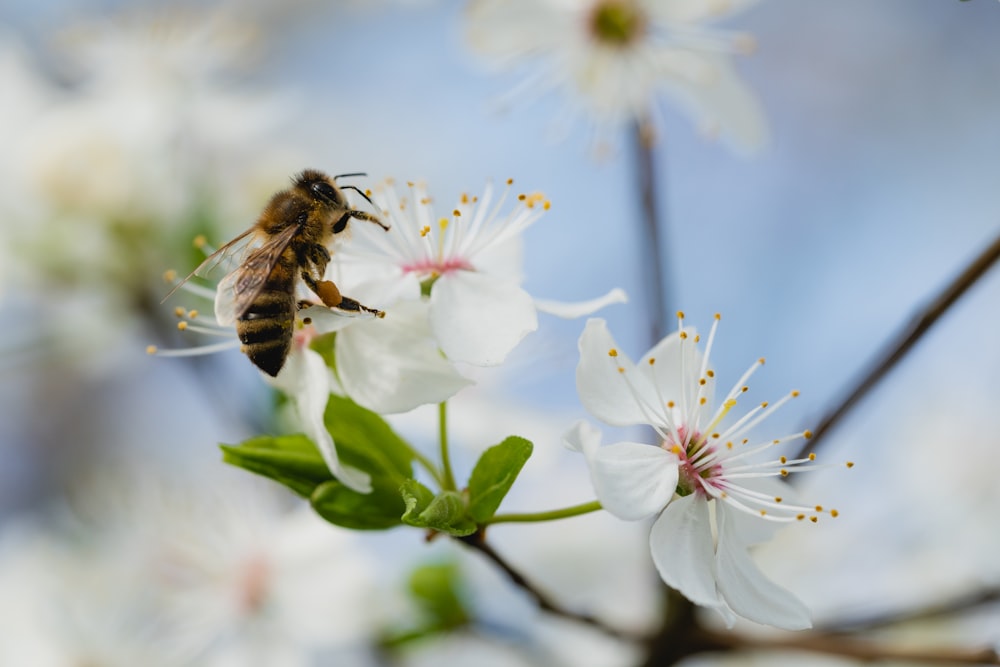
616 58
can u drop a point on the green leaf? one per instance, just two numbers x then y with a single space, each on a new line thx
291 460
494 474
445 512
436 588
379 510
364 440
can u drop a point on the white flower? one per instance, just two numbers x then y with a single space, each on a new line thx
467 265
617 56
701 482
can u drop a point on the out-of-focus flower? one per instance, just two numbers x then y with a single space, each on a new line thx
709 492
616 57
145 570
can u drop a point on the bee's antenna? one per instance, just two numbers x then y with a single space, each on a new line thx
357 173
358 190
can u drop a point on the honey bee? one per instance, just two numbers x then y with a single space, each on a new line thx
289 241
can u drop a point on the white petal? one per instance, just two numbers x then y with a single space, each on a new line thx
694 11
576 309
583 437
393 364
745 588
676 374
478 318
306 379
602 388
633 480
681 545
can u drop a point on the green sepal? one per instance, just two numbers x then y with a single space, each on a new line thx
494 474
436 588
445 512
291 460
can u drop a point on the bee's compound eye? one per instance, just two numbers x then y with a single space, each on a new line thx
327 191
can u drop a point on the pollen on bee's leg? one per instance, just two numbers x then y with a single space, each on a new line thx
328 293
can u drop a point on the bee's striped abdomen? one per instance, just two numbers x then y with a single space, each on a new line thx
266 327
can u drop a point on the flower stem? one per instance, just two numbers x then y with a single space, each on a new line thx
904 341
448 482
428 466
653 260
551 515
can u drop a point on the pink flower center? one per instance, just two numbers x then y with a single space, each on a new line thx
438 267
697 467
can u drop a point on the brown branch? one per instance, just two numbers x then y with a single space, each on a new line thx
961 603
863 651
478 542
904 341
651 238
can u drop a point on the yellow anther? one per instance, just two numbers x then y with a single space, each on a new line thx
612 352
181 326
778 499
710 373
784 473
702 382
795 393
465 198
368 192
744 389
729 445
192 314
800 516
718 316
783 459
510 181
680 314
199 241
443 224
834 513
814 519
819 508
652 361
807 434
671 404
150 349
522 197
812 457
621 369
850 464
410 184
684 335
676 449
702 401
178 311
715 436
763 512
425 230
776 442
761 361
764 404
457 213
547 205
169 275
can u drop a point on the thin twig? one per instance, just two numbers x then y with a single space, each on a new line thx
653 225
864 651
962 603
904 341
478 542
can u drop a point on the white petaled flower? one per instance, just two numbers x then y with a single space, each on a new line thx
712 495
616 57
467 266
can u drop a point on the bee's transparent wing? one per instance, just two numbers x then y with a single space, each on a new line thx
215 258
237 291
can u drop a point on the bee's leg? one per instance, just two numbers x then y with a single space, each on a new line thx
347 303
360 215
332 298
319 257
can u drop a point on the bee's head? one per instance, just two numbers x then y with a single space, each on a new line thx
320 188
